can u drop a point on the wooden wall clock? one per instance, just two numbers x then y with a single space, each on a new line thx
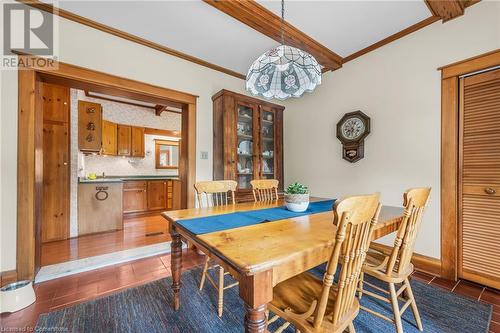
352 130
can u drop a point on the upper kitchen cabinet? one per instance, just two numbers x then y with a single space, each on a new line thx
137 142
248 140
109 138
124 141
89 126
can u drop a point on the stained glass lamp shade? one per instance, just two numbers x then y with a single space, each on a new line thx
283 72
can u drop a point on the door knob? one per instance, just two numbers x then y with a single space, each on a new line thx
490 190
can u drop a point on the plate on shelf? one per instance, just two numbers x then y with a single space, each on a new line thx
245 147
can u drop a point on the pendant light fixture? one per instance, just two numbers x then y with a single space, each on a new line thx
284 71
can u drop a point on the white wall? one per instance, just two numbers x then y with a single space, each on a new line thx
86 47
398 86
8 162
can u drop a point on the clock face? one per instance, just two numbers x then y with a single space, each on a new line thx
352 128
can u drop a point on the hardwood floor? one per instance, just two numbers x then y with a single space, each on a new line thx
70 290
136 232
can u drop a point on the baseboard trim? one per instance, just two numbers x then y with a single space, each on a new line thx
8 277
421 262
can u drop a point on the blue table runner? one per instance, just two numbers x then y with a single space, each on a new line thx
204 225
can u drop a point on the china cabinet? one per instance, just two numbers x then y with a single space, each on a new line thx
248 140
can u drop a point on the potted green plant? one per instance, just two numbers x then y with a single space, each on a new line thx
297 197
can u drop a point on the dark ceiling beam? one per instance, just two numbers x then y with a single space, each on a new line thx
448 9
159 109
266 22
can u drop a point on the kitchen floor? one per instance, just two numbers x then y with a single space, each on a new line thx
70 290
137 232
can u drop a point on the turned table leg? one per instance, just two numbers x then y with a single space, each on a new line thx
255 319
176 266
256 291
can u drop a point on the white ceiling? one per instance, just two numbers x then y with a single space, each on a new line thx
198 29
349 26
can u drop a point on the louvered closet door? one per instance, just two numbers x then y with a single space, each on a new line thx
480 179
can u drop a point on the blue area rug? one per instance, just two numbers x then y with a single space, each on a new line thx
148 309
203 225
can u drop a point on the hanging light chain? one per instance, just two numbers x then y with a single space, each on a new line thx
282 22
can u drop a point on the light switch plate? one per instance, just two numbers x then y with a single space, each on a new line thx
204 155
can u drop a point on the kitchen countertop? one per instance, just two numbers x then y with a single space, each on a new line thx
119 179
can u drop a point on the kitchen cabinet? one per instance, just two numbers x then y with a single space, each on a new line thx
89 126
109 138
157 194
137 142
113 139
248 140
151 196
135 197
99 207
124 140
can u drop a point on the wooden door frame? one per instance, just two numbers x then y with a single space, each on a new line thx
30 154
450 129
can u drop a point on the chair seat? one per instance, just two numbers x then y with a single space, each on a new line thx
297 294
376 263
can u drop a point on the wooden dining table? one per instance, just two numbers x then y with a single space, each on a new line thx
262 255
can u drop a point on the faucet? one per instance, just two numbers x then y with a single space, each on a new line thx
103 175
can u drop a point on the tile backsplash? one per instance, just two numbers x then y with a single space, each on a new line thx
127 166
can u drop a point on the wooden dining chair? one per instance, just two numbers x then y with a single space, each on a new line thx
215 192
210 194
396 267
321 305
265 189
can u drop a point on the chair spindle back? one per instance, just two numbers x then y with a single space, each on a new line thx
265 189
415 200
355 218
216 193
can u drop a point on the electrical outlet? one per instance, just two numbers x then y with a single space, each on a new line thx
204 155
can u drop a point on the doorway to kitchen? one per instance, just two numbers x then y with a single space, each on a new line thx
111 155
111 166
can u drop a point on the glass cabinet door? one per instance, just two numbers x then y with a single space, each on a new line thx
267 153
245 168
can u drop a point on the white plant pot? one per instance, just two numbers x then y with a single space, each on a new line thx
16 296
297 202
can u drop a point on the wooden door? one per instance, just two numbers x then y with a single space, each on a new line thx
157 194
56 162
479 203
124 137
135 197
109 136
137 146
89 126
